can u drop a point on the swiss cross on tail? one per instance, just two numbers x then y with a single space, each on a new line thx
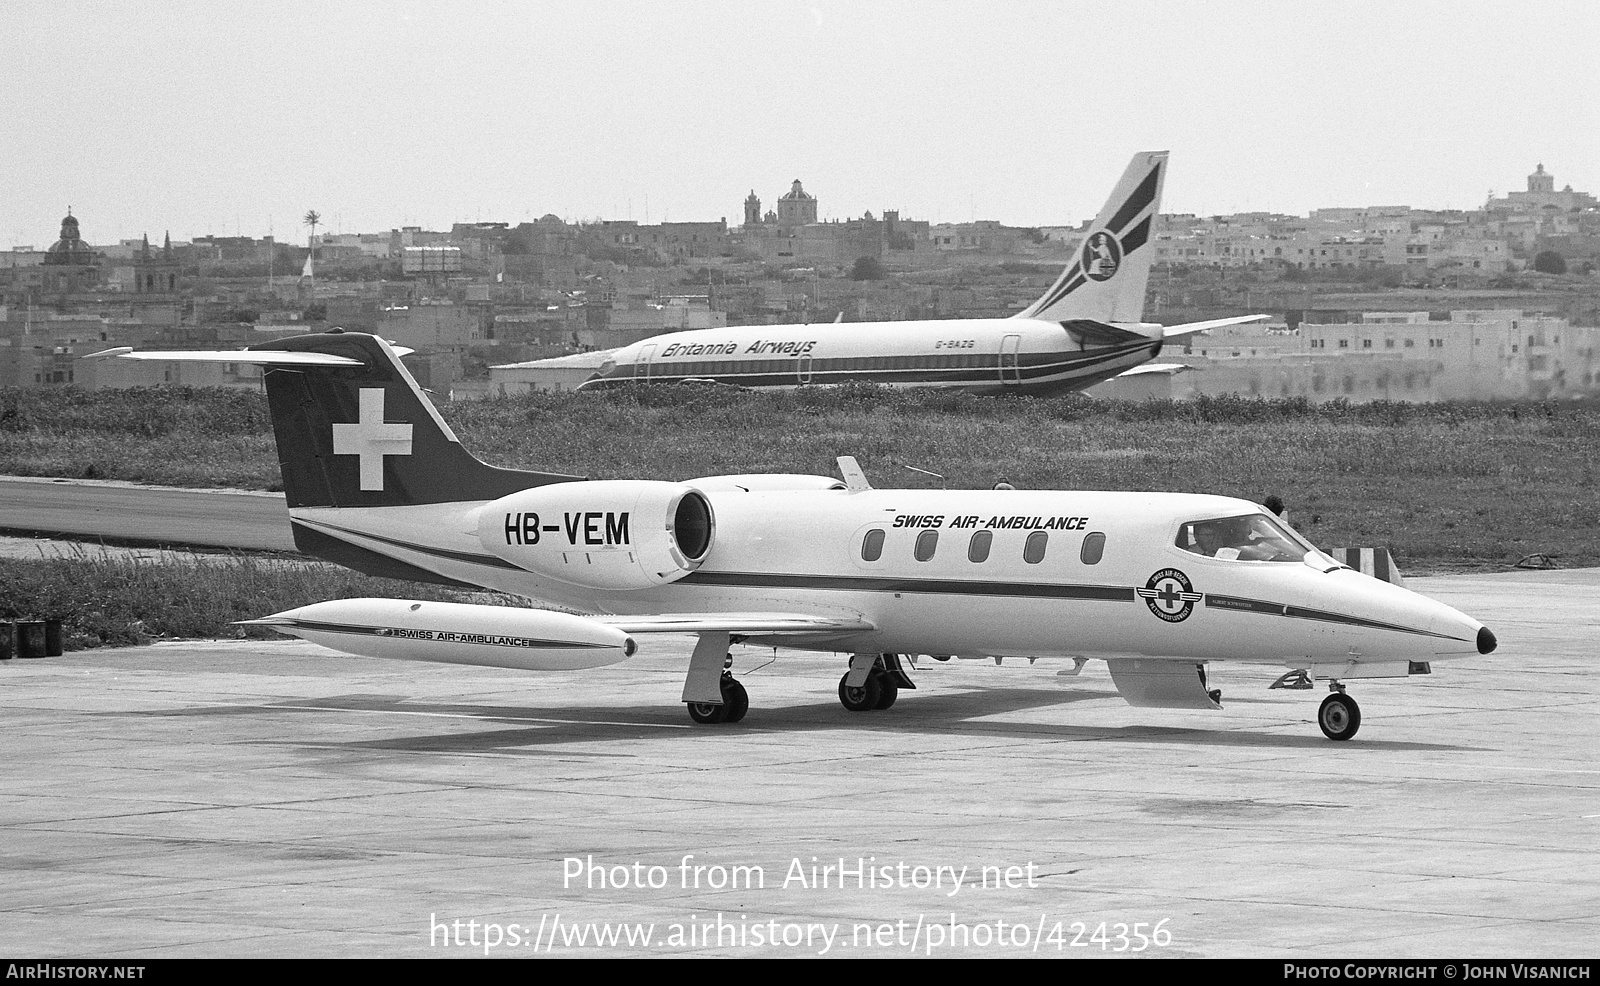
371 439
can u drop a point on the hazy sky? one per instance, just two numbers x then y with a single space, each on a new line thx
224 117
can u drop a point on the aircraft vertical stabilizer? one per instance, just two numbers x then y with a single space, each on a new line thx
361 433
1106 281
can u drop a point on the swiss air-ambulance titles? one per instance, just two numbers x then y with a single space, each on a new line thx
999 521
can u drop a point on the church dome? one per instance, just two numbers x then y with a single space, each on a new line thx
70 250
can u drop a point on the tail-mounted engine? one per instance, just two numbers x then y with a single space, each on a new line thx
623 534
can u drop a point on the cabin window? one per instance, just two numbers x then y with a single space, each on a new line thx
872 546
978 547
1094 547
927 544
1033 549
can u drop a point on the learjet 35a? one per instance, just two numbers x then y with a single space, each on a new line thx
1155 584
1087 328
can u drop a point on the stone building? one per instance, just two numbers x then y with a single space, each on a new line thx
798 208
71 265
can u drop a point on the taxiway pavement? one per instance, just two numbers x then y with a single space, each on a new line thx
134 514
275 799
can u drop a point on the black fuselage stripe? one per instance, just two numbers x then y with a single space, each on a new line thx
865 583
471 558
1239 604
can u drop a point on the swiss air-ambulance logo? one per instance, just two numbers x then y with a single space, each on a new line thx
371 438
1169 595
1102 255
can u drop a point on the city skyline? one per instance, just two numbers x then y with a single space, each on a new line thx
233 120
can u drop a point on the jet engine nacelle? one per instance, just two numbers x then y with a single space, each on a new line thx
622 534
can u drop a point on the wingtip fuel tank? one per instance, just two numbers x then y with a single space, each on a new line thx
455 633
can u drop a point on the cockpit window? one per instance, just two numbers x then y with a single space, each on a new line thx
1252 537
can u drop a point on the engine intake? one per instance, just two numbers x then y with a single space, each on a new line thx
623 534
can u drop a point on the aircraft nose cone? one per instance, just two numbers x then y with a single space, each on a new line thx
1486 641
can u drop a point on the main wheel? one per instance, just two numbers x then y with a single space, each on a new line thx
707 714
888 689
734 698
1339 716
863 699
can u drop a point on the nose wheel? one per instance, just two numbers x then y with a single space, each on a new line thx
1339 716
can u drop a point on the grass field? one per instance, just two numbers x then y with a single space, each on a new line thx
1445 486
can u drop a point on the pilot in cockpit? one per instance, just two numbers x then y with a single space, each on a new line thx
1253 537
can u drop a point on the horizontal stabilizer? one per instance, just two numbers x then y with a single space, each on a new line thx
259 357
1088 333
1188 328
1170 369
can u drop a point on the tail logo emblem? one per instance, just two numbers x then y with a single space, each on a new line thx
1102 255
371 439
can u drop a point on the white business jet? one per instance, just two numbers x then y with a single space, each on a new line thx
1085 329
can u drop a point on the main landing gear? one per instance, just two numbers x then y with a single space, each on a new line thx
712 694
1339 715
710 690
735 703
878 688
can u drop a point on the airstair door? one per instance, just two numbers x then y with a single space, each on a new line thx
641 369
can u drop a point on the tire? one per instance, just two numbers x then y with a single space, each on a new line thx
888 690
1339 716
863 699
707 714
735 699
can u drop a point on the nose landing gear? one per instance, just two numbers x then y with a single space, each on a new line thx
1339 715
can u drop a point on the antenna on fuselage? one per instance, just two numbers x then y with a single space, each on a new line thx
855 480
926 472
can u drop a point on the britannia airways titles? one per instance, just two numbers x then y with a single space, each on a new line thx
758 348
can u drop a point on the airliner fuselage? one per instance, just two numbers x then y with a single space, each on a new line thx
977 354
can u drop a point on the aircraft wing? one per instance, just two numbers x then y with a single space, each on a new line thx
1173 331
1171 369
760 624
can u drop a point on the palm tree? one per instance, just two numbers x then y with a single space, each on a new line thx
312 219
